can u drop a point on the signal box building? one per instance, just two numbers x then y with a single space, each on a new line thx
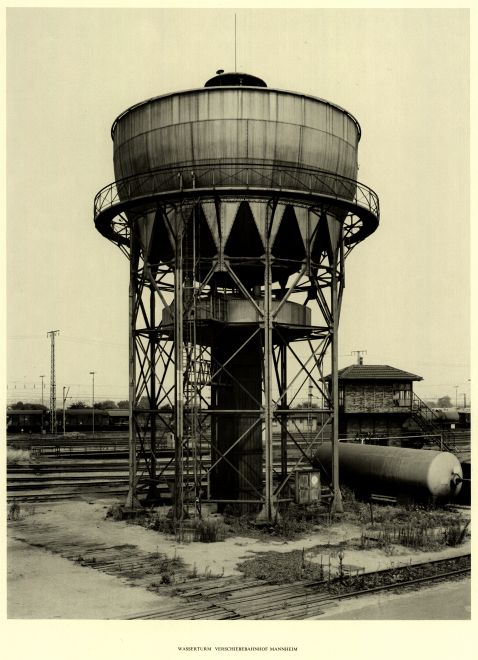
375 400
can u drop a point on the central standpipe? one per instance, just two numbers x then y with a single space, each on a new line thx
239 475
236 205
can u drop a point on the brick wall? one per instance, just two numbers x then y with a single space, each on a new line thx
380 425
371 397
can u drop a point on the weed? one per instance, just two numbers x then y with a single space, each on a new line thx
281 567
209 530
166 578
14 511
455 533
415 527
15 456
115 512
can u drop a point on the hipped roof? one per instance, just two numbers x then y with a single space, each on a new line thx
374 372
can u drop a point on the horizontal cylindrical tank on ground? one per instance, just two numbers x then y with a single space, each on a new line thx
395 471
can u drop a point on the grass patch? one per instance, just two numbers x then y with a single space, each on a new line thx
208 530
202 530
14 511
167 569
18 511
416 527
115 512
281 567
292 523
16 456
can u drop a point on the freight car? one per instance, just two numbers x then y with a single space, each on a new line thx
77 420
413 474
27 421
452 418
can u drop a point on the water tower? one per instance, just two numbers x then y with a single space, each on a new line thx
236 205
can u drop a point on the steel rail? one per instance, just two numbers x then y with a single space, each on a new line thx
277 599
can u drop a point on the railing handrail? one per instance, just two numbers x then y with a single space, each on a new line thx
361 194
435 418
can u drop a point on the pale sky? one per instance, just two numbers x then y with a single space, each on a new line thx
404 74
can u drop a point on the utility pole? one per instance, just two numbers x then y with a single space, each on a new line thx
52 334
456 395
65 396
42 415
42 377
92 373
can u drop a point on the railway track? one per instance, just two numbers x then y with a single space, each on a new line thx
302 600
75 466
231 597
51 476
57 473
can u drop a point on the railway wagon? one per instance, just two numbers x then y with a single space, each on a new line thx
77 420
27 421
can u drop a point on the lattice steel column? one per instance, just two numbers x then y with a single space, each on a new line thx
131 498
337 506
178 508
269 509
52 334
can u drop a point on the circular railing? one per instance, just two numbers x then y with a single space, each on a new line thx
255 180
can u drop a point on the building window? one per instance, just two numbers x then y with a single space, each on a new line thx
402 394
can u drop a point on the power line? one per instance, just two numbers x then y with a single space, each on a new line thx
72 339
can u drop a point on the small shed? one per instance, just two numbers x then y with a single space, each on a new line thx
375 400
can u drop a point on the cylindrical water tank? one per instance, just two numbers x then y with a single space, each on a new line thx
395 471
224 126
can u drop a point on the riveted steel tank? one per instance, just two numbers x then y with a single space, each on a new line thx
420 473
237 133
222 126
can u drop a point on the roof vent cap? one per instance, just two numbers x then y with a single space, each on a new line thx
234 79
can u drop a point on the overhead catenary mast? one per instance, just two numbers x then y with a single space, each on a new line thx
52 334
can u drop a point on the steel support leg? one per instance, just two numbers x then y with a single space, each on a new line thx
178 503
131 498
284 420
152 491
337 506
268 512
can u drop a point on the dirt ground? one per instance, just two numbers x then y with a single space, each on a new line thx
44 585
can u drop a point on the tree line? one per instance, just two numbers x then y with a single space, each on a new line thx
441 402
